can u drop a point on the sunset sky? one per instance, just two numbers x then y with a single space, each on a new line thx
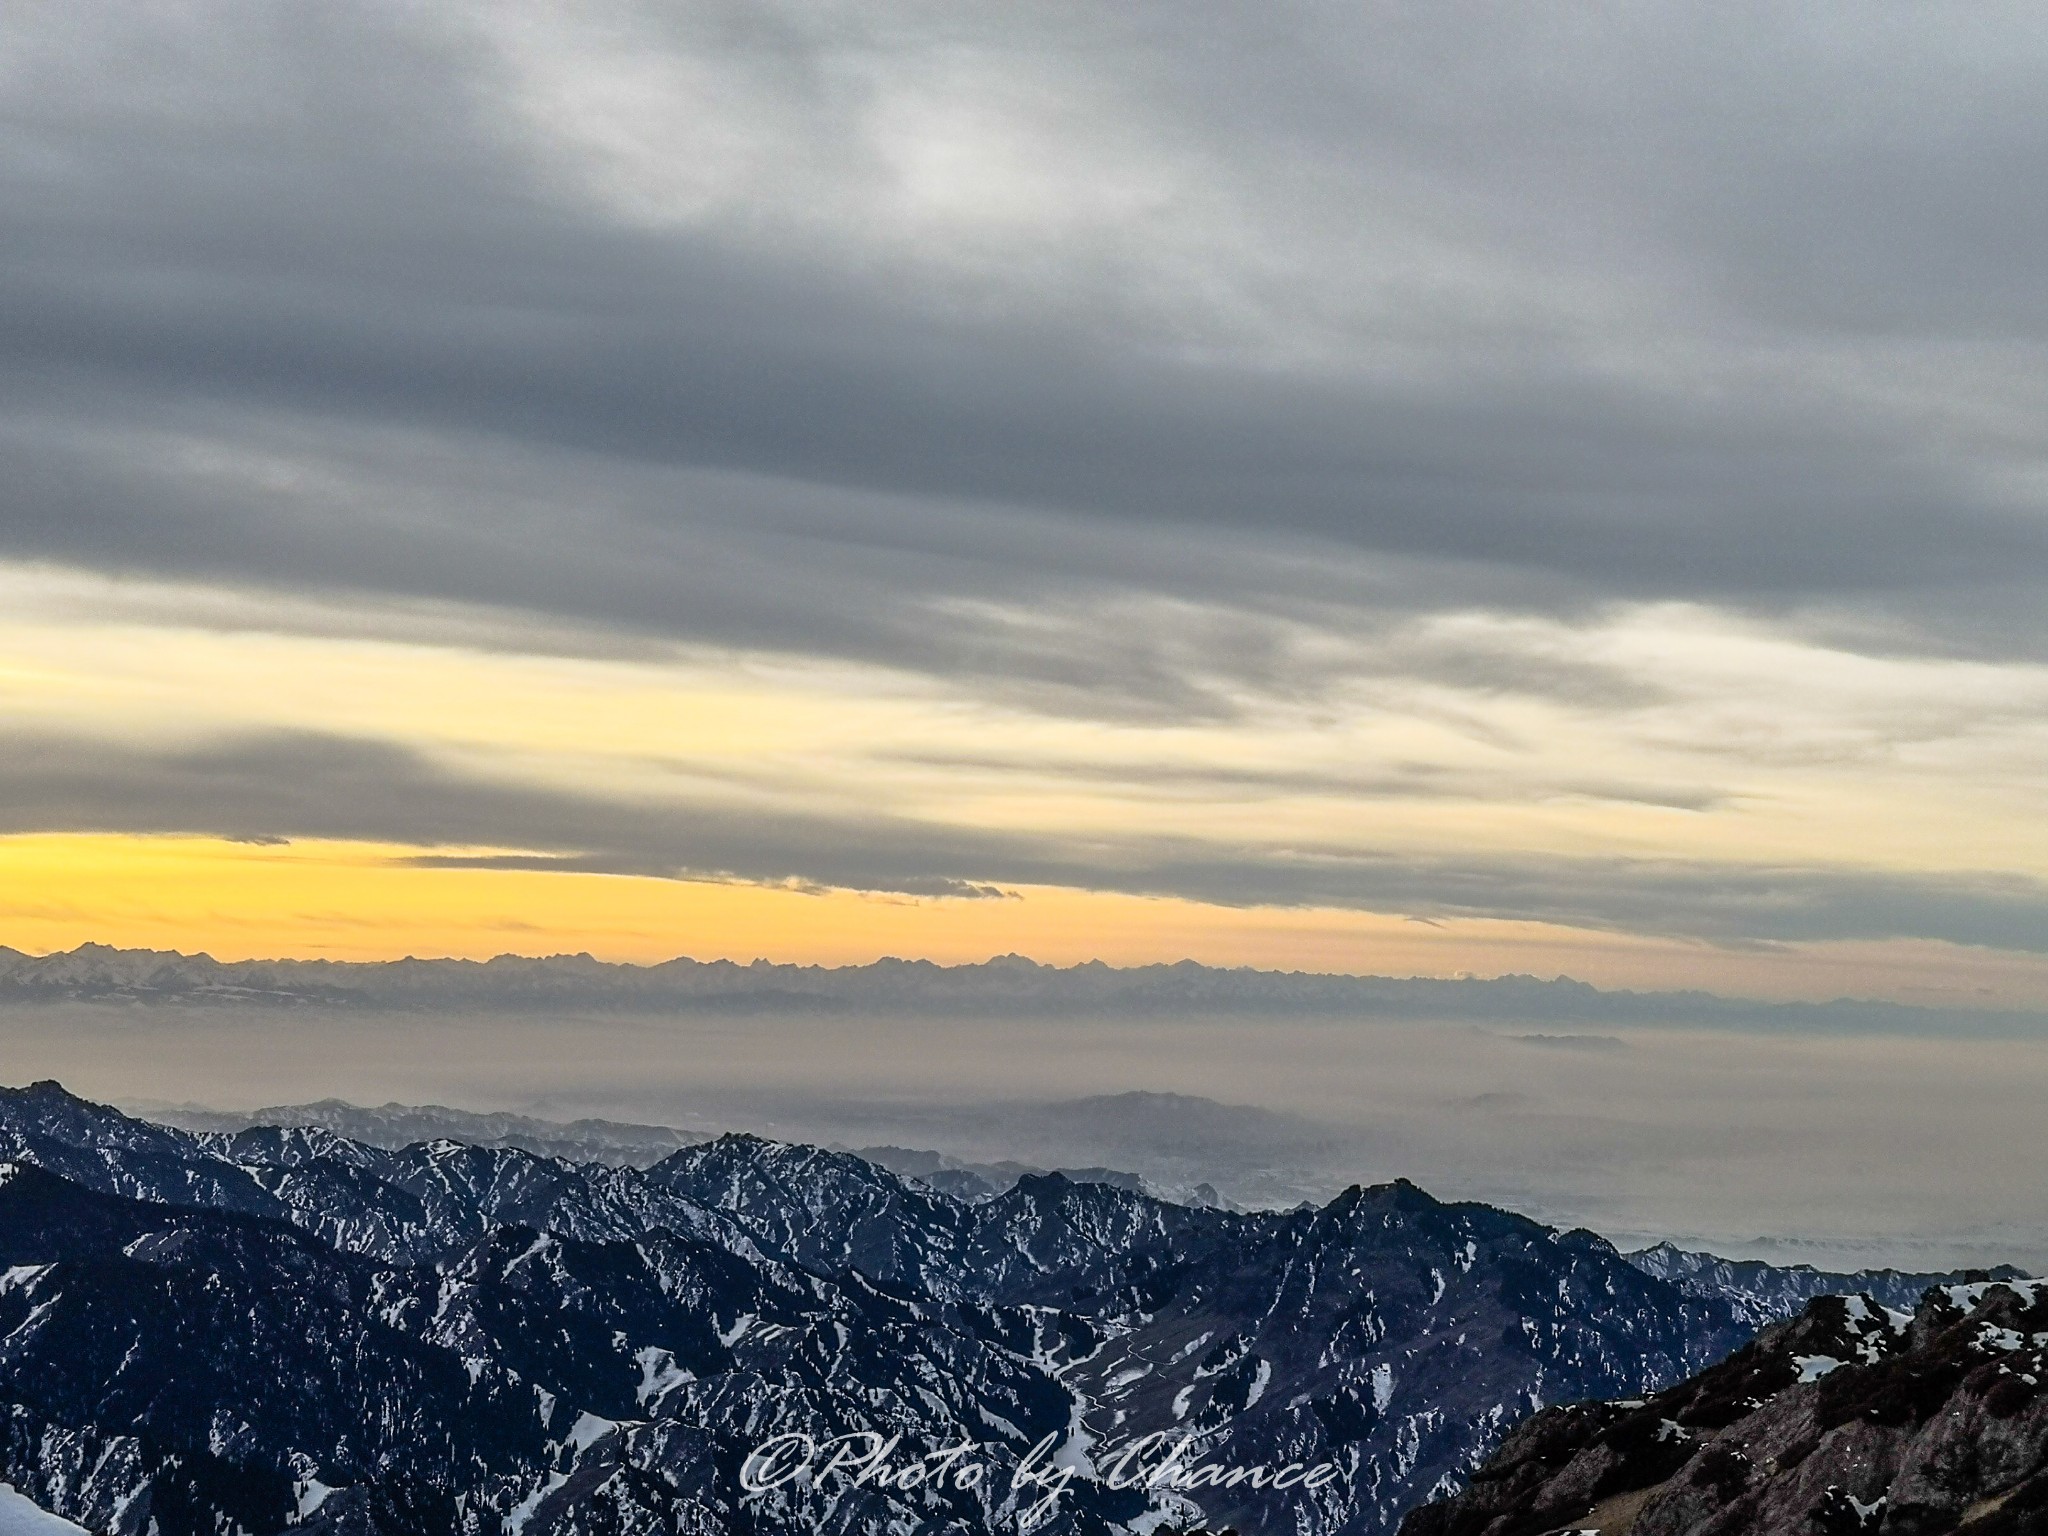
1523 489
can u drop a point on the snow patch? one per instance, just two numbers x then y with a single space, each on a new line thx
21 1277
1259 1382
515 1523
1074 1451
541 1246
1813 1367
588 1430
1966 1297
24 1517
659 1375
1169 1509
311 1494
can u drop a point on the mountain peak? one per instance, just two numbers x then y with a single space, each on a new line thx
1403 1194
1052 1185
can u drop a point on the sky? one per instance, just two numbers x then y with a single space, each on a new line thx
1384 488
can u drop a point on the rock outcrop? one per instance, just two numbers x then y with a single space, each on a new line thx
1848 1419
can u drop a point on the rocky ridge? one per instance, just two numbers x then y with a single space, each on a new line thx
1852 1418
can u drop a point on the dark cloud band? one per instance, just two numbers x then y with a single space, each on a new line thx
1655 328
276 787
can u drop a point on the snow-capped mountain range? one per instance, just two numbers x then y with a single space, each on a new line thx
280 1327
1006 986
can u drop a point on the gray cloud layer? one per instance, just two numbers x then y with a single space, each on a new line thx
1738 304
272 787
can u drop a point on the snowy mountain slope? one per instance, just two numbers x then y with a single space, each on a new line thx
410 1203
173 1367
21 1517
463 1338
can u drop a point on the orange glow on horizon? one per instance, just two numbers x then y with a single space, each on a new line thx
349 901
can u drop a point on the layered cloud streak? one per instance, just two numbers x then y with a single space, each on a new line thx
274 788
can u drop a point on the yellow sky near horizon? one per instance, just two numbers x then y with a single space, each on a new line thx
1754 750
349 901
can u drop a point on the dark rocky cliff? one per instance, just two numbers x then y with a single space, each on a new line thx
1849 1419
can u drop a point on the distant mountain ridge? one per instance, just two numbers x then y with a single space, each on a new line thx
1763 1293
282 1328
1008 984
394 1126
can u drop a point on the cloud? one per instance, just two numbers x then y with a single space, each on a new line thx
844 337
275 786
1154 778
1572 1042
